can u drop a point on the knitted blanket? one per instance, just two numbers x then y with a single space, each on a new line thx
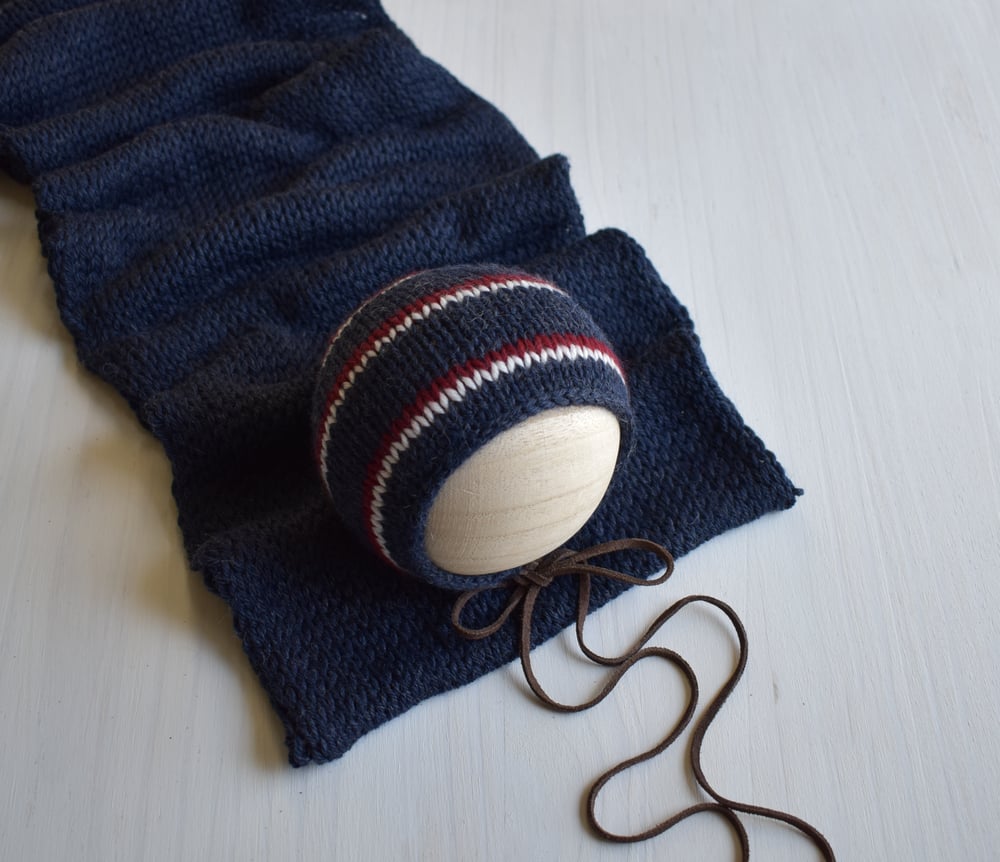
218 184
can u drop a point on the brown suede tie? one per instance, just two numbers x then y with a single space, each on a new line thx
524 589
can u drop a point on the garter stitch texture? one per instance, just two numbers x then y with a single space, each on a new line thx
218 185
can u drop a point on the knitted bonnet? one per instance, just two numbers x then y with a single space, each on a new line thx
323 272
427 371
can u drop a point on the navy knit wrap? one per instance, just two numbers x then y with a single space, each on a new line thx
218 185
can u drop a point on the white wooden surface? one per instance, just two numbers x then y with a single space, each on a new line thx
819 183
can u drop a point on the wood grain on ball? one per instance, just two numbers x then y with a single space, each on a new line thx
525 493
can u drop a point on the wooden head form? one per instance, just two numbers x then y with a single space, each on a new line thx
525 493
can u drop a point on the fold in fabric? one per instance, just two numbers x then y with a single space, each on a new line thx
218 185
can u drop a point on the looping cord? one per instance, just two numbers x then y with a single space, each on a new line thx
524 588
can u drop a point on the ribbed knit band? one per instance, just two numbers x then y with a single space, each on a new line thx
430 369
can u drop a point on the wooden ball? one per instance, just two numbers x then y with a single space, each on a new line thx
524 493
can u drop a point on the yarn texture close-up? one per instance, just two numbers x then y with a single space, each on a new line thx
219 186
